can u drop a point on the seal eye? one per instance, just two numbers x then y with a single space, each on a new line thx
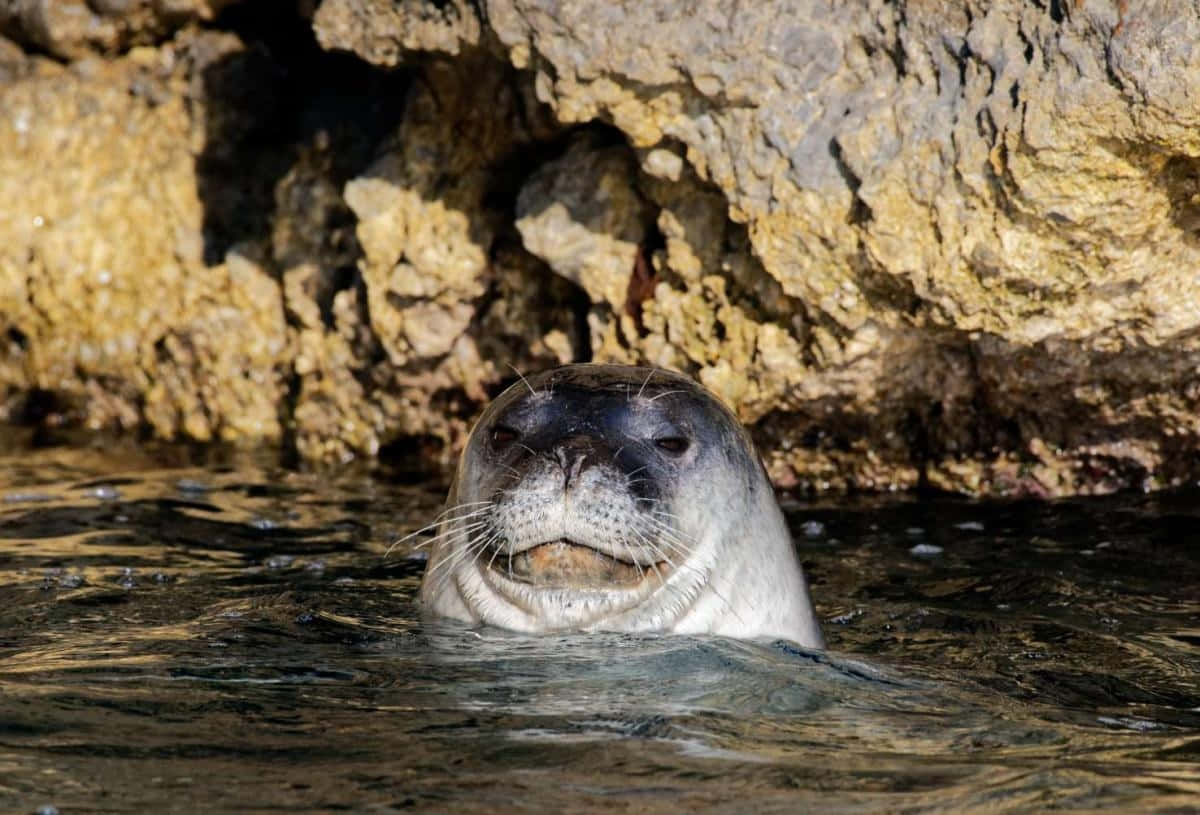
675 445
502 437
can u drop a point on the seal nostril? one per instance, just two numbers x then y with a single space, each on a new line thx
571 462
576 468
675 445
574 455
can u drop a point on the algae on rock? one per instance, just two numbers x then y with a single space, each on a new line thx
103 290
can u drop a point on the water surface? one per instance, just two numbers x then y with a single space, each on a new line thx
186 632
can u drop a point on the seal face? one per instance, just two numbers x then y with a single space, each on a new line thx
607 497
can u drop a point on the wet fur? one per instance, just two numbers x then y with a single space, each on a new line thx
707 529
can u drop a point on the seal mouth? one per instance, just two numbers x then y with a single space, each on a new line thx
566 564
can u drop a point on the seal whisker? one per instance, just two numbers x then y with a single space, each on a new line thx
461 504
457 535
467 505
458 553
447 516
496 549
434 525
668 530
468 517
638 470
682 547
676 546
473 506
439 572
483 544
664 513
636 565
449 536
645 543
728 604
689 568
643 443
658 514
523 379
452 533
654 565
725 600
648 544
682 542
653 371
663 524
460 556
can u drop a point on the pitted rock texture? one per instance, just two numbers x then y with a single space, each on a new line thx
75 28
385 32
193 244
918 243
450 300
984 215
104 297
582 215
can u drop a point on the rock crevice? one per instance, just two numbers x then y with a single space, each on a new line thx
911 244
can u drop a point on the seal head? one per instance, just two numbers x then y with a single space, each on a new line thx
606 497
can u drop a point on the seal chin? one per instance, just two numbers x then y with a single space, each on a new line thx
569 565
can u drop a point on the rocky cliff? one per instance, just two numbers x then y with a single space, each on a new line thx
924 243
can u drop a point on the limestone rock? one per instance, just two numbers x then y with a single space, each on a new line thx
941 193
581 214
940 244
424 231
104 296
216 373
452 301
314 246
74 28
383 32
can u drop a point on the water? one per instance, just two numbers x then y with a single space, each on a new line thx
181 632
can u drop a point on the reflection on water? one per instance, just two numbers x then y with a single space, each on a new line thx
230 637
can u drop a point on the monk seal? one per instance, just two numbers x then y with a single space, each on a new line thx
616 498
